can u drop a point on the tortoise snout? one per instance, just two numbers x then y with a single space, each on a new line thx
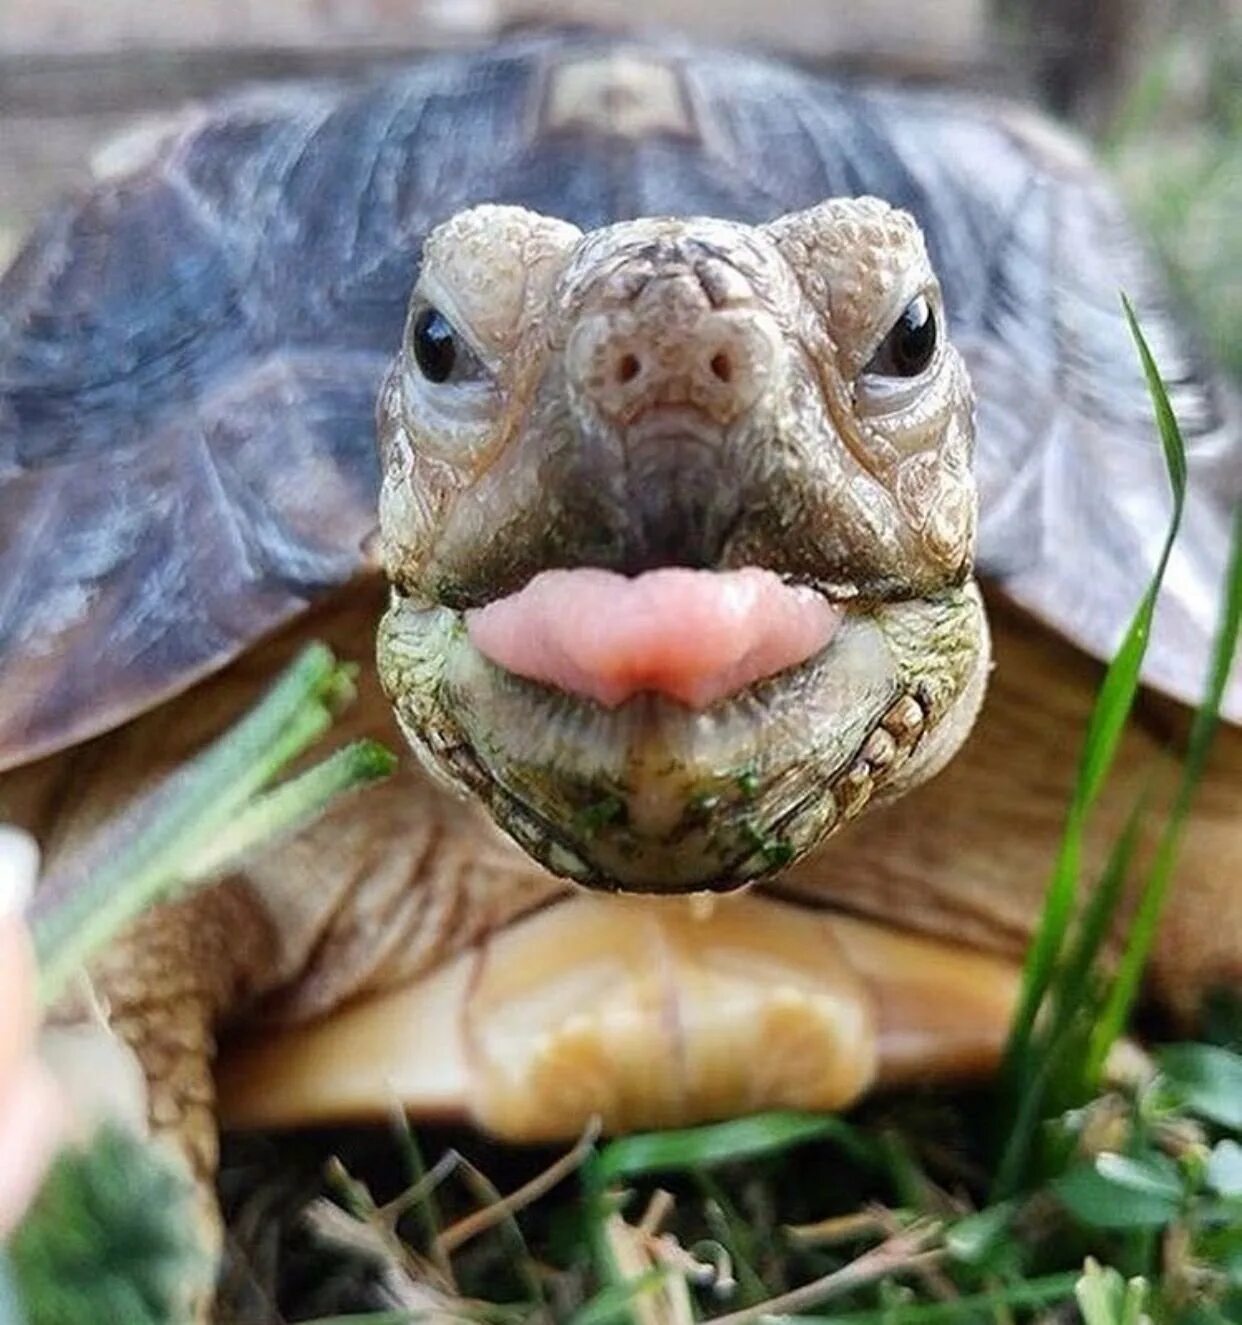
693 337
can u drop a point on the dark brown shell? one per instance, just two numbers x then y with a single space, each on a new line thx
189 351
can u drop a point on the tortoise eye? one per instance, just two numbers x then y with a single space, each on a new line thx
435 345
909 346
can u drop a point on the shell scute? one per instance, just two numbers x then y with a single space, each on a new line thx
123 304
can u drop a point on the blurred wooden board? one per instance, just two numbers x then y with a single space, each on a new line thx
62 27
75 74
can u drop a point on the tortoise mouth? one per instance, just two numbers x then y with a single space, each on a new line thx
655 795
694 636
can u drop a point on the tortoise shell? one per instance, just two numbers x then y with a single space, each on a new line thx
190 349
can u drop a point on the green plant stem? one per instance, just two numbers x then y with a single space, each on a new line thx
292 804
75 915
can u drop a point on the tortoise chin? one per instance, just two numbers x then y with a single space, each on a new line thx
654 795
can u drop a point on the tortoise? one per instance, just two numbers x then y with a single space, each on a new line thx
694 560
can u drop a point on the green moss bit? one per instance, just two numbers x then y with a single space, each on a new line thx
704 805
775 851
748 783
591 818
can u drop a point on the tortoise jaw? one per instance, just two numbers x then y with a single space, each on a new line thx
653 796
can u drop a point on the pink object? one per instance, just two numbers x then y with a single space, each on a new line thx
33 1115
34 1120
696 636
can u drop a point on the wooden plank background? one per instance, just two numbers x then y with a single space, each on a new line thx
60 27
74 74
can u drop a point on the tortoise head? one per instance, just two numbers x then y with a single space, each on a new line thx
679 521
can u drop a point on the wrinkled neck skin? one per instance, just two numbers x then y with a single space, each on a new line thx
745 452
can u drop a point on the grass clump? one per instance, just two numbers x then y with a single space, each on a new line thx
219 807
1070 1014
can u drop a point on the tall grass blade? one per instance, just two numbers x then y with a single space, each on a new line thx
1072 988
1056 1083
1104 729
1125 986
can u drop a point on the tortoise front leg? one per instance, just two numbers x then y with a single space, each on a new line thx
642 1013
163 987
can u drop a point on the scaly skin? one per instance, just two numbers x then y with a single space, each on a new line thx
669 392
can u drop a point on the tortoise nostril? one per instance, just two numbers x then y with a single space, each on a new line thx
722 366
628 368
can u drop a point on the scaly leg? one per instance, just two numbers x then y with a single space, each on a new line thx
163 987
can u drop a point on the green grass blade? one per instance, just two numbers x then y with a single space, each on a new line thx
1057 1081
1125 986
1104 729
1047 1291
1166 420
1073 982
74 914
615 1302
718 1143
293 804
1029 1110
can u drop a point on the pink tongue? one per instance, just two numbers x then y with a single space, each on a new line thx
696 636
